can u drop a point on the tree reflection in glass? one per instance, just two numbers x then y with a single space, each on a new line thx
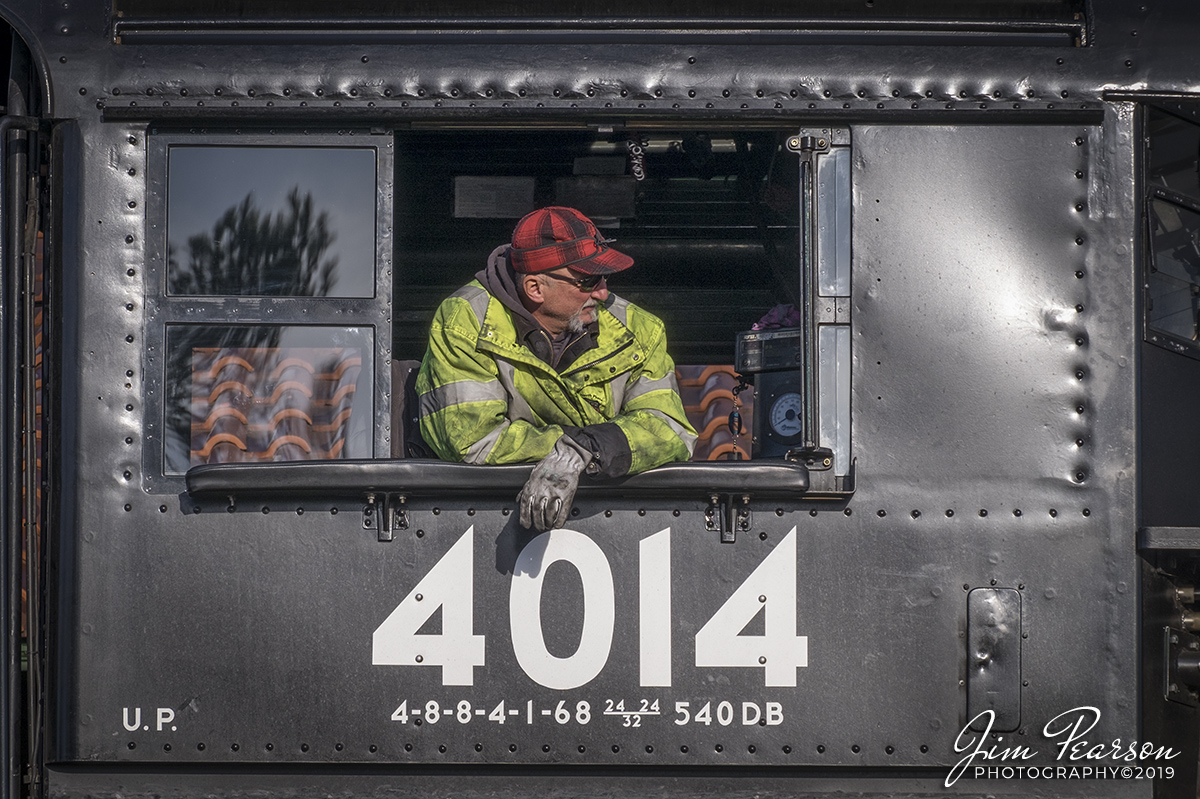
254 253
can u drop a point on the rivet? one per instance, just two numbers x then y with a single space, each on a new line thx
881 513
420 597
812 512
442 748
1079 274
762 536
683 749
949 512
916 514
129 239
420 659
582 749
1016 511
1053 513
848 511
889 749
725 93
855 749
234 747
1079 174
407 748
1079 239
1087 512
762 659
512 747
820 749
131 272
719 748
478 748
983 512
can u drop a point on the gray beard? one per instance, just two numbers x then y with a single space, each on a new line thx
575 324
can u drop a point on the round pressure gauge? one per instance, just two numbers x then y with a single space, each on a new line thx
785 414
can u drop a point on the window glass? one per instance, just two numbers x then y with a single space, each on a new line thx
1174 280
271 221
1173 153
267 393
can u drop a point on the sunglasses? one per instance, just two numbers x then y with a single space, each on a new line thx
589 283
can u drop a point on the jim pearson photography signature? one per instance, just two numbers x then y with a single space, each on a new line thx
1066 731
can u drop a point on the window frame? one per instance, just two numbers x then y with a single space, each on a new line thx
163 310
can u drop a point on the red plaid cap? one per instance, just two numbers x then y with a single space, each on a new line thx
556 236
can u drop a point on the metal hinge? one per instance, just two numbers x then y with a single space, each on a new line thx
728 514
385 514
1181 650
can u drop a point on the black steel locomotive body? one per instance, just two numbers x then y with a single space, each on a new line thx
957 551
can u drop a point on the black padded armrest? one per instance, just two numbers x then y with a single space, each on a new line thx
434 478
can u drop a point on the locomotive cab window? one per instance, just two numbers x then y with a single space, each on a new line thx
1173 217
741 246
268 257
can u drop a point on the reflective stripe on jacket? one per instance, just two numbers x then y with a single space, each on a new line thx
487 399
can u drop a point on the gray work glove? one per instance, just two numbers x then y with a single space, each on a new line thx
546 498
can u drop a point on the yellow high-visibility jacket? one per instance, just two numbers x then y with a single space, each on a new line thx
487 399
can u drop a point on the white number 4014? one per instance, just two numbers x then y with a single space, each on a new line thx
449 585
